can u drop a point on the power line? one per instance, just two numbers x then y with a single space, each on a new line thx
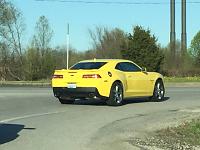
118 3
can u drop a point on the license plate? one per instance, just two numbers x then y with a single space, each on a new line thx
71 86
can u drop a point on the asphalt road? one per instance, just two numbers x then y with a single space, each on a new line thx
32 119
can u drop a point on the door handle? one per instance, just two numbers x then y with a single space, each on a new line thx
129 76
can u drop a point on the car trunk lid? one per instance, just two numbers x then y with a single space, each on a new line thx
75 76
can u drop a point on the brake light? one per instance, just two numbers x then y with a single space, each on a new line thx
57 76
95 76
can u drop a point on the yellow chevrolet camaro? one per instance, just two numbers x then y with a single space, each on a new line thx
112 80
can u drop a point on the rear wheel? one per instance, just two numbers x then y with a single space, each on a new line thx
159 91
116 95
66 101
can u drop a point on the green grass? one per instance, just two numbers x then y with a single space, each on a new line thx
188 133
41 83
182 79
47 82
183 137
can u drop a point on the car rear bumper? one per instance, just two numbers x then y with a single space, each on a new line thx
79 92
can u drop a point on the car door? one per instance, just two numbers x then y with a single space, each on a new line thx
141 83
137 81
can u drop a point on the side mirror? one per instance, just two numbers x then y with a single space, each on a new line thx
144 70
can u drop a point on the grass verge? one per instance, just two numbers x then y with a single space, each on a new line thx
186 133
170 81
182 79
41 83
183 137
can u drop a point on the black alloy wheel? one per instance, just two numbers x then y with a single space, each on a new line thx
116 95
159 91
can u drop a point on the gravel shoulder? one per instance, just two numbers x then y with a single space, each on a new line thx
173 134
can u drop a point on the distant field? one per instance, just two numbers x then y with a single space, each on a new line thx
182 79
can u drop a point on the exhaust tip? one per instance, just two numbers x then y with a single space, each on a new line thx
92 95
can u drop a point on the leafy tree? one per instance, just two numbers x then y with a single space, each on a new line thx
107 43
195 49
142 48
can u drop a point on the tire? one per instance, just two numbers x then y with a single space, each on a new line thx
116 95
66 101
159 92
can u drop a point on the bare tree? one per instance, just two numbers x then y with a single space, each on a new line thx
41 45
11 29
3 61
108 43
43 35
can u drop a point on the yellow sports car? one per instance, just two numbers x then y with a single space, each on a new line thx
112 80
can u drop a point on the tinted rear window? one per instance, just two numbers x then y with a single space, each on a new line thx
88 65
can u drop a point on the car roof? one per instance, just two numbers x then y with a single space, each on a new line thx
111 63
106 60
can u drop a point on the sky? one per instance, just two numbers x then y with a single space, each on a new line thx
82 17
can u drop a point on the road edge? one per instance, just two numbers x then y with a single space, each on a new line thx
48 84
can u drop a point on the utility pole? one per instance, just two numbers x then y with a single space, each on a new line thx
68 46
172 29
183 33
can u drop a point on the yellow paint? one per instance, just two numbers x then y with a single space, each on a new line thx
134 83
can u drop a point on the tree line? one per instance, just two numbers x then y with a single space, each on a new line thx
39 59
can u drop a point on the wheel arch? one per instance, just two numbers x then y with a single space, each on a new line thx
159 79
162 80
119 81
112 101
156 80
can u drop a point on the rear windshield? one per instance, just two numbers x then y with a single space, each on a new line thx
88 65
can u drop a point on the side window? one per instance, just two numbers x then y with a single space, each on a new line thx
118 67
127 67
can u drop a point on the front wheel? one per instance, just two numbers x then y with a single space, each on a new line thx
159 91
116 95
66 101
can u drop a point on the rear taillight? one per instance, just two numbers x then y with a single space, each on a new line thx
95 76
57 76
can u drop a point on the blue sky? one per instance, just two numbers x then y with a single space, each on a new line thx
82 17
